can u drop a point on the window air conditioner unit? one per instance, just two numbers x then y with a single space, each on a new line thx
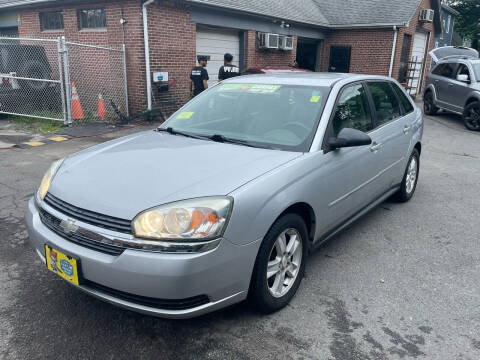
285 42
268 41
426 15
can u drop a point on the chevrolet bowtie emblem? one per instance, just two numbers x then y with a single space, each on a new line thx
68 226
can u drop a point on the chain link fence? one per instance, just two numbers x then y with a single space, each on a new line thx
60 80
31 74
97 75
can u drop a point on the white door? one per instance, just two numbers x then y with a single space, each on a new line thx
418 55
215 43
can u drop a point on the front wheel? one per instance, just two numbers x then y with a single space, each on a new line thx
280 264
471 116
410 178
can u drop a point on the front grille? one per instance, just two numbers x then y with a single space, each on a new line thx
87 216
79 237
165 304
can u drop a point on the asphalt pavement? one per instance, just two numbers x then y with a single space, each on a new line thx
401 283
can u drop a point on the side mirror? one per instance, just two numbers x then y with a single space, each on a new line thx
463 78
349 138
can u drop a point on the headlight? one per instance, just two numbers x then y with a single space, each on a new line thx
195 219
48 177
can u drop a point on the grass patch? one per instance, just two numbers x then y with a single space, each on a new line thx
35 124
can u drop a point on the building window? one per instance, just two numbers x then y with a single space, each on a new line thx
51 20
92 19
448 23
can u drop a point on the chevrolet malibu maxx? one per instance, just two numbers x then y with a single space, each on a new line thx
225 200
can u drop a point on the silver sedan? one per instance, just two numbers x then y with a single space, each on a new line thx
225 200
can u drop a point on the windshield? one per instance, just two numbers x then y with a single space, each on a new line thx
281 117
476 70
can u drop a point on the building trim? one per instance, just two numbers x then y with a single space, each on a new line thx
239 20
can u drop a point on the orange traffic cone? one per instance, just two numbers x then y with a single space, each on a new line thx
101 107
77 112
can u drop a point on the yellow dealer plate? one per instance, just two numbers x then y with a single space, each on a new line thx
63 265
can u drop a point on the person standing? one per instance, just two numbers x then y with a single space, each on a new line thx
199 77
228 70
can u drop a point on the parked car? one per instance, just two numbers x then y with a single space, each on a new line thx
454 85
225 200
18 63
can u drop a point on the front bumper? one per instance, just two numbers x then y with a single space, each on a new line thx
222 274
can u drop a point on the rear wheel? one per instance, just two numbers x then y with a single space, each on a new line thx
471 116
280 264
34 69
429 107
410 178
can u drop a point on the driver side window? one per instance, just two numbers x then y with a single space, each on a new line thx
353 110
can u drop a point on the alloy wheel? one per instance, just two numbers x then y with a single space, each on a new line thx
472 117
411 175
284 262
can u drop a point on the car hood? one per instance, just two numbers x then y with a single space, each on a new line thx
126 176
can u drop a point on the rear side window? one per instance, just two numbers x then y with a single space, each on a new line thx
448 70
438 69
352 110
407 105
385 101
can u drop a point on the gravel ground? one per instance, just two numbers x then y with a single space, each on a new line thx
401 283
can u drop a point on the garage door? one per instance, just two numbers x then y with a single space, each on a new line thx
418 54
215 43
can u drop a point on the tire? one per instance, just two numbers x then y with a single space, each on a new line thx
471 116
266 295
34 69
429 107
408 186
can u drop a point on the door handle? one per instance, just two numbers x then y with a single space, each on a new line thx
375 147
406 129
450 85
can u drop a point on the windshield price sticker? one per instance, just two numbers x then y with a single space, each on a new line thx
315 98
251 88
185 115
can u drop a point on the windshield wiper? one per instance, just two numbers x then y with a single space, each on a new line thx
181 133
223 139
216 137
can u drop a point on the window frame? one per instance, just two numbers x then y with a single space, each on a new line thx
372 104
84 28
329 129
44 13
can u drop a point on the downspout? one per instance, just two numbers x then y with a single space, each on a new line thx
394 46
147 53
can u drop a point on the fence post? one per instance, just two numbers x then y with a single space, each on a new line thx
60 77
124 55
68 90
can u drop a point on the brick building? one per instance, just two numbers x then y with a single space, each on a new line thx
373 37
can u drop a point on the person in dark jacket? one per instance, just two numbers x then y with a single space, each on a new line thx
199 77
228 70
